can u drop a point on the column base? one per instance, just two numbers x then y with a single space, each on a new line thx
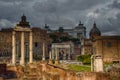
69 58
50 62
13 64
56 62
43 59
21 63
30 61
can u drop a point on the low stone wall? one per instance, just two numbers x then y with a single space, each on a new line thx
71 75
94 76
44 71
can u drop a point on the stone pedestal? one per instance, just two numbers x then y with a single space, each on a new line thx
50 62
98 63
56 62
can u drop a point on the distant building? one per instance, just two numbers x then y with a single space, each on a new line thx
94 32
106 46
78 32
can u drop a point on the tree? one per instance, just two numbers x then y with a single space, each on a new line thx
54 38
61 29
64 39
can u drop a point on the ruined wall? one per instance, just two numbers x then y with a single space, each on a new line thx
71 75
44 71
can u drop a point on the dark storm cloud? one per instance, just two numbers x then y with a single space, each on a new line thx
15 0
11 9
116 4
107 17
115 24
66 13
55 6
60 13
114 19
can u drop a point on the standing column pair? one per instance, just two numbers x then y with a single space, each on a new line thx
23 48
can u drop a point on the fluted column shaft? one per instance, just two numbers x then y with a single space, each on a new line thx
50 55
22 49
30 48
43 56
56 54
13 48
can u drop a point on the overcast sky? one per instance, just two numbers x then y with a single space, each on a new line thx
65 13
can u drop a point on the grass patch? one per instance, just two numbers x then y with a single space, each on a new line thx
107 64
79 68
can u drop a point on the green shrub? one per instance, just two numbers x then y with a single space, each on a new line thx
86 59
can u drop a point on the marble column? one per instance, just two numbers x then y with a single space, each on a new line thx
52 53
69 51
43 56
13 48
64 55
30 48
56 56
17 50
22 49
50 57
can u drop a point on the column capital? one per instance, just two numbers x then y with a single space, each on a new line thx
30 33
